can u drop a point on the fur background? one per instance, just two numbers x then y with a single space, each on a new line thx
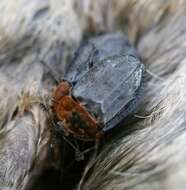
152 155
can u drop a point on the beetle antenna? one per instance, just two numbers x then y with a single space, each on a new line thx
53 72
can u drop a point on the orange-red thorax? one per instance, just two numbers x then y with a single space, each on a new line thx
75 118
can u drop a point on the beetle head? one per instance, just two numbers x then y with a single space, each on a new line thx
63 89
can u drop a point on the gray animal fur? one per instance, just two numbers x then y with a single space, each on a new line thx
151 157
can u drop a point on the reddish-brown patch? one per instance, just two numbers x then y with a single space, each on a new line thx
75 118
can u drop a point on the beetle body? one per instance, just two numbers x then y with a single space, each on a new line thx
106 76
75 118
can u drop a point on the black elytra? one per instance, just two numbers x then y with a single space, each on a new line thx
107 76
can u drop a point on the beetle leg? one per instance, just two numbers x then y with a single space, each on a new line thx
53 72
59 127
50 117
97 143
78 154
70 143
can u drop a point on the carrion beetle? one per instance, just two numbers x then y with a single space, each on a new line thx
102 86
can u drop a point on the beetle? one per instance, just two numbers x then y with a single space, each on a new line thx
76 119
101 87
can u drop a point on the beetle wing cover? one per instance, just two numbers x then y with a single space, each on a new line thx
110 85
109 79
95 50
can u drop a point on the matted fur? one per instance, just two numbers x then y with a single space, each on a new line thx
151 157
